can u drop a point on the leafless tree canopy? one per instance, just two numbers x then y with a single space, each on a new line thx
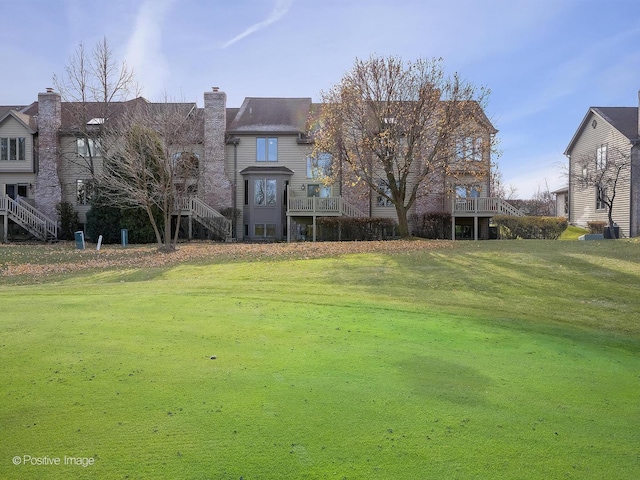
498 188
152 163
603 170
395 126
92 87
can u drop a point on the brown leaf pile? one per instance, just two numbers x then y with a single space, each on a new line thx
64 258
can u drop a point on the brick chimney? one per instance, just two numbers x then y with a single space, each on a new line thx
216 183
48 192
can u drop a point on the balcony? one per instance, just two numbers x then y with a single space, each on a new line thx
321 206
482 207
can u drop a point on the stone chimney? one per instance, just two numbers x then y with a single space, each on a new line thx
216 183
48 192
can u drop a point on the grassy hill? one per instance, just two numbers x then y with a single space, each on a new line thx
503 359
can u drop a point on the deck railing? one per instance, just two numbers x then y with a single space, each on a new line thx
484 206
209 217
322 206
30 218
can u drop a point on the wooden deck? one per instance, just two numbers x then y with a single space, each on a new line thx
482 207
321 206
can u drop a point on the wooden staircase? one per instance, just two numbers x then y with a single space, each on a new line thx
210 218
29 218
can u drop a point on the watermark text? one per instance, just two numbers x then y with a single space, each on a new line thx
46 460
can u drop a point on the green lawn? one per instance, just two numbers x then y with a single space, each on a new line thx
502 359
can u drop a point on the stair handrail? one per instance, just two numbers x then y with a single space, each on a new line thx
220 222
507 209
349 210
30 217
37 213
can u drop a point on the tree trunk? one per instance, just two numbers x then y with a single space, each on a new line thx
155 227
403 223
168 244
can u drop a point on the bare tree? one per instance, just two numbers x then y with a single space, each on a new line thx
544 201
152 163
92 85
497 186
398 127
604 170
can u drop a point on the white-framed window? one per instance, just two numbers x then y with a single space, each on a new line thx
89 147
264 193
470 190
318 190
383 201
601 196
584 177
601 157
84 191
266 149
13 149
320 166
469 148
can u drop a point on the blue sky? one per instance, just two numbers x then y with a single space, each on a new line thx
545 61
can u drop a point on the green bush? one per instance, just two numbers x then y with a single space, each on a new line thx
548 228
435 225
103 220
68 220
136 220
353 228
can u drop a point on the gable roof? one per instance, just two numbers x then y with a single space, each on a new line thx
623 119
277 115
25 120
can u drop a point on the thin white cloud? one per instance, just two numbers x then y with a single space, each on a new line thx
144 48
279 11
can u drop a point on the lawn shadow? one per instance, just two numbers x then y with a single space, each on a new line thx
435 378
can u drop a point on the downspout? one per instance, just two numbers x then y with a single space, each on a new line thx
569 196
234 203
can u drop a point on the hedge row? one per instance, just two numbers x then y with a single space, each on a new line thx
353 228
596 227
548 228
108 221
432 225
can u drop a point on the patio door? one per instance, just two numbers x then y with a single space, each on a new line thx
318 190
12 191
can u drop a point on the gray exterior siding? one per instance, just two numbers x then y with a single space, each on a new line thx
583 197
11 128
242 155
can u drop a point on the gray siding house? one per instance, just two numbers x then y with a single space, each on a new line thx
255 159
606 134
